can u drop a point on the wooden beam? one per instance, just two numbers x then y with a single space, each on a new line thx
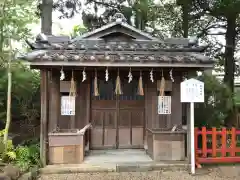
123 64
44 116
55 100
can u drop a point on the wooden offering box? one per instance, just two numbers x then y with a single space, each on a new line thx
166 145
66 147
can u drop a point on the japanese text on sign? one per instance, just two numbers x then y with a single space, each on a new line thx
192 90
68 106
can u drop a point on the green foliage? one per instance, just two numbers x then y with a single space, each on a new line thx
218 103
15 18
28 156
25 93
138 13
78 30
25 156
7 154
237 97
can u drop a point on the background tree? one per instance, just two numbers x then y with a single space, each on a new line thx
15 18
227 12
218 103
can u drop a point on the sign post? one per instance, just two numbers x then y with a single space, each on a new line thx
192 91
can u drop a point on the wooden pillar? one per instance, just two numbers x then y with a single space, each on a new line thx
73 118
146 119
88 101
88 111
82 106
154 103
54 105
44 116
78 100
150 104
176 117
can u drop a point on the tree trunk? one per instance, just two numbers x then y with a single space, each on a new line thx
229 66
46 16
185 19
9 97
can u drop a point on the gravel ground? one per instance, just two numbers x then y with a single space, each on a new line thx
224 173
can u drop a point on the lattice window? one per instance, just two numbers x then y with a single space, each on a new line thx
67 105
164 104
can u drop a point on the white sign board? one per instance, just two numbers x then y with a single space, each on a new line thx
164 104
192 90
67 105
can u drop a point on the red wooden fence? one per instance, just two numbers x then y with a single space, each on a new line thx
218 146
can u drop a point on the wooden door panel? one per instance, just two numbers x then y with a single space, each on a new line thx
96 138
137 137
131 117
137 118
124 118
103 104
110 138
131 104
103 132
131 127
104 118
124 137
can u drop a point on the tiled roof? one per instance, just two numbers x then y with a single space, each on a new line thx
86 48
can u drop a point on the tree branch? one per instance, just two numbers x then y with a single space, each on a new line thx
104 4
207 28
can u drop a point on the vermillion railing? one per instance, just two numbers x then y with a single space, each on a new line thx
217 146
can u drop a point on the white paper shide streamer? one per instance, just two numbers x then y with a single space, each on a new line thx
151 76
171 76
84 75
130 76
62 75
106 74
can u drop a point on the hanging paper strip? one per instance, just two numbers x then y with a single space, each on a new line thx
164 104
106 74
62 76
130 76
151 76
84 75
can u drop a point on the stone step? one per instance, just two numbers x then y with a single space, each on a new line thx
107 167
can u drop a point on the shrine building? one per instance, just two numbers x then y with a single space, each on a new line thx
115 87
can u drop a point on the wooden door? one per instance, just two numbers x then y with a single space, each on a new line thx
104 117
118 121
131 117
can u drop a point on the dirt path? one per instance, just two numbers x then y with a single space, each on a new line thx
220 173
